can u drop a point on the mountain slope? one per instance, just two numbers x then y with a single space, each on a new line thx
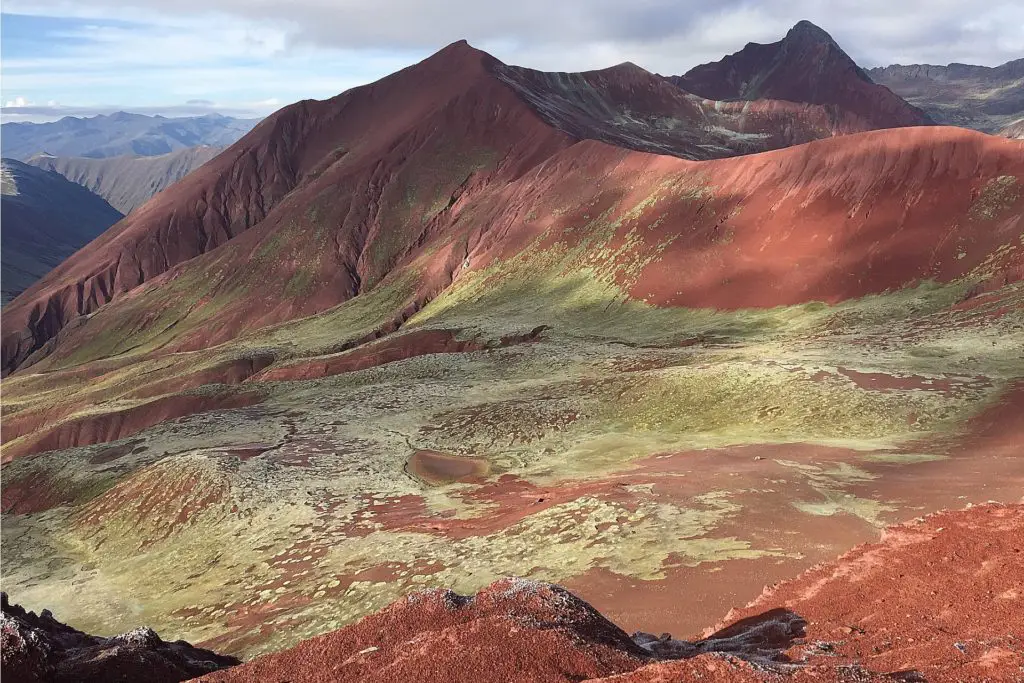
1014 131
805 66
46 218
980 97
120 134
629 107
127 182
728 223
349 207
459 323
427 146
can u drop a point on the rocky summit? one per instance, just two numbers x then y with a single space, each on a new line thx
649 344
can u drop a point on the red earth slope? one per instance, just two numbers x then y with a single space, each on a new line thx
348 153
830 220
347 187
936 599
805 66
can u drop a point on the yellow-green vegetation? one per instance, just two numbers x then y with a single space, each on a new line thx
420 190
830 482
299 513
996 197
335 328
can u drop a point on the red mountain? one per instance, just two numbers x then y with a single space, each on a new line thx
341 191
805 66
462 322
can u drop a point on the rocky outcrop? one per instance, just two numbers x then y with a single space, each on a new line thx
513 630
807 65
937 599
1014 131
40 649
629 107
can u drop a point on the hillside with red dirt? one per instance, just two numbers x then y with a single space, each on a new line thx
865 205
937 599
475 320
448 135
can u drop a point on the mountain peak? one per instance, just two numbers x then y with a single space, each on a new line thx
807 31
807 66
459 48
459 53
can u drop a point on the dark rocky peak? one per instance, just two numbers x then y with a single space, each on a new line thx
806 32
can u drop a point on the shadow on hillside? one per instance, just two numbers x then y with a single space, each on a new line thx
762 640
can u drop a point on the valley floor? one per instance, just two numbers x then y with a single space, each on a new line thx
664 464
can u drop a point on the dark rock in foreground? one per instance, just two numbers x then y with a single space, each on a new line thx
40 648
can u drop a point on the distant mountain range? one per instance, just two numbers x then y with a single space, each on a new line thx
120 134
126 182
45 218
103 167
989 99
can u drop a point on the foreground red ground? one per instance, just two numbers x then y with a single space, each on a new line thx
937 599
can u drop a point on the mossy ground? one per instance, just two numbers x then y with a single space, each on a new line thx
251 529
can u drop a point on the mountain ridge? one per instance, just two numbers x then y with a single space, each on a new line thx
126 182
462 323
300 143
119 134
779 71
46 218
989 99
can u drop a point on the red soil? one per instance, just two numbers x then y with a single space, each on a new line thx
942 595
510 631
111 426
458 156
880 381
937 599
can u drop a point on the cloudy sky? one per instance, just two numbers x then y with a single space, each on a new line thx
249 57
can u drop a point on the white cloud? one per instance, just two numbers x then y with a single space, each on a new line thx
265 52
672 34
